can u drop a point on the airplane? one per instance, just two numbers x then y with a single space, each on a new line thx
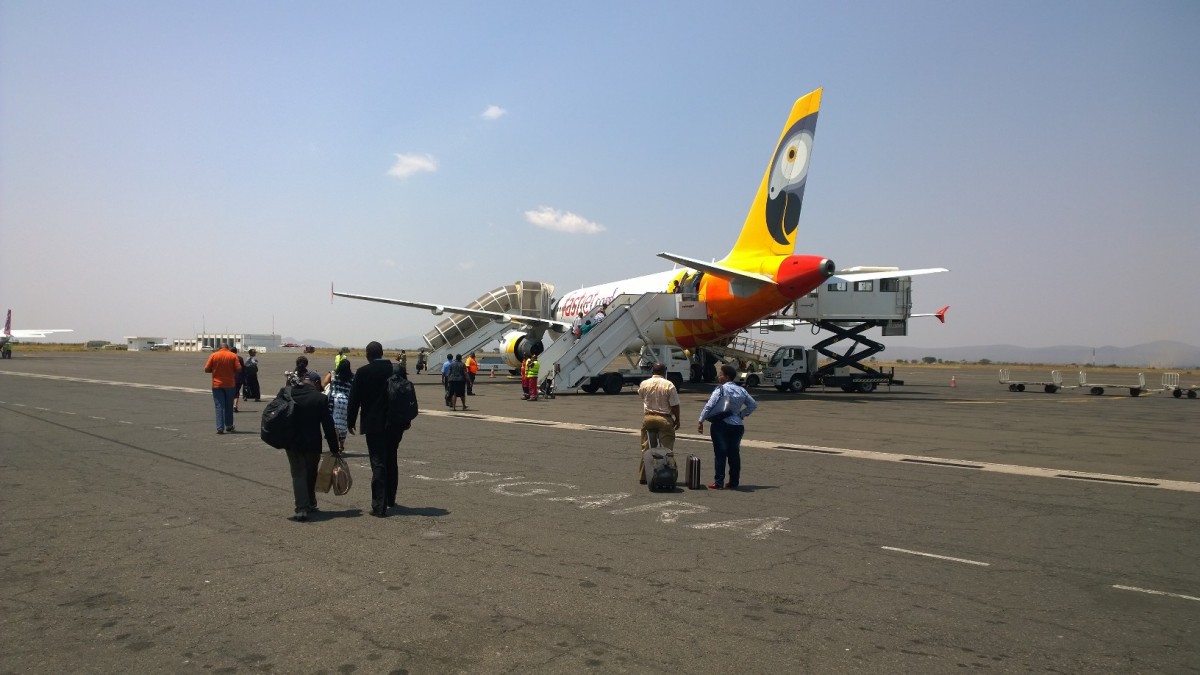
26 333
307 349
759 276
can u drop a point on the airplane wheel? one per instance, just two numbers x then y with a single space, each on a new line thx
1097 391
613 383
591 387
752 381
1020 387
866 387
1177 393
797 384
1050 389
1134 391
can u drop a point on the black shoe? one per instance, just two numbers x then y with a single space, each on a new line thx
300 516
379 514
229 429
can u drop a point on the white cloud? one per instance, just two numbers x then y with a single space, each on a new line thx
493 112
562 221
407 165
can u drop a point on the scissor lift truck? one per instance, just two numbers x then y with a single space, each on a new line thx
1055 383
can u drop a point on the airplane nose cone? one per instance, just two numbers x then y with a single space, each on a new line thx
800 274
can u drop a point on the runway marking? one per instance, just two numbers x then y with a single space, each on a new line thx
934 555
1151 592
991 467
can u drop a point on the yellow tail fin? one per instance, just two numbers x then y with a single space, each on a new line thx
770 228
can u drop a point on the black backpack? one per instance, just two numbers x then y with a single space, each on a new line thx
278 420
401 402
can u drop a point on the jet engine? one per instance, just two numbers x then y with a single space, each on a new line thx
518 346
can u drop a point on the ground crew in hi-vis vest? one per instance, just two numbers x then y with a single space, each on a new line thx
524 379
531 373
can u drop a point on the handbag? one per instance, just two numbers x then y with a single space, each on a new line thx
341 480
325 473
721 410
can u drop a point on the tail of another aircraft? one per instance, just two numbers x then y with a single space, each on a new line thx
770 228
8 324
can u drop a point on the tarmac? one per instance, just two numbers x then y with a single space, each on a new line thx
928 528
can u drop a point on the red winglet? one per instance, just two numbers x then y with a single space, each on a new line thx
941 314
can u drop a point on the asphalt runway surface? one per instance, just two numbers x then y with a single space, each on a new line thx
925 529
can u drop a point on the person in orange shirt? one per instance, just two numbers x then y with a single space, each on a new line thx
472 369
224 366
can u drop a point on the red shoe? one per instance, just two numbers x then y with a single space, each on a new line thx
715 486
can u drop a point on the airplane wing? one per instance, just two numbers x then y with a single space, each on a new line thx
721 272
530 321
27 333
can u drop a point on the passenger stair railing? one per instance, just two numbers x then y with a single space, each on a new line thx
629 319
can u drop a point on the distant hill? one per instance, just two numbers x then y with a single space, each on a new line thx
1161 354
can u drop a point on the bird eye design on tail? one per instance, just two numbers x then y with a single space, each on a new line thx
789 171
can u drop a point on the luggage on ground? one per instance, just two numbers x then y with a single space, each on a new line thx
693 472
661 471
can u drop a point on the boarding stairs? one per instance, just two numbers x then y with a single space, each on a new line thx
743 348
463 334
629 318
475 342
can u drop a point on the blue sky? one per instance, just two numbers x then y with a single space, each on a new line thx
171 166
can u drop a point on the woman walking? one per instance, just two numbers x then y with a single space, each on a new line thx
726 411
339 399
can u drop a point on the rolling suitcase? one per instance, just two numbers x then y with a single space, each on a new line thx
693 472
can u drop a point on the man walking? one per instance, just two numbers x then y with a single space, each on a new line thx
224 366
660 406
311 417
472 369
369 393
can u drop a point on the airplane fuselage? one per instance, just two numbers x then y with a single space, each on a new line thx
727 312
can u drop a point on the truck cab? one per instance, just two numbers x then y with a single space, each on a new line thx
791 369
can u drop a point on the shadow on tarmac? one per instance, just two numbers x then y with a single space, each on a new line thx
419 511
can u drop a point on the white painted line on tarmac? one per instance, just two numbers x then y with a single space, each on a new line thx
934 555
1012 469
1151 592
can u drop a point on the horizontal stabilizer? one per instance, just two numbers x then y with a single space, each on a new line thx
720 271
852 274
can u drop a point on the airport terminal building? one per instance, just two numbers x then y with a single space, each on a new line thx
243 341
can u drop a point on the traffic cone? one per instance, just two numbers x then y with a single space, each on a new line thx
953 382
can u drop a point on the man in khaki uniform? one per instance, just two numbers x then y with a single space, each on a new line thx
660 403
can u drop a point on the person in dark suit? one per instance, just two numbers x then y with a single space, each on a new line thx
369 395
311 417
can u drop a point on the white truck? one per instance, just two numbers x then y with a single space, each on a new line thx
794 368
